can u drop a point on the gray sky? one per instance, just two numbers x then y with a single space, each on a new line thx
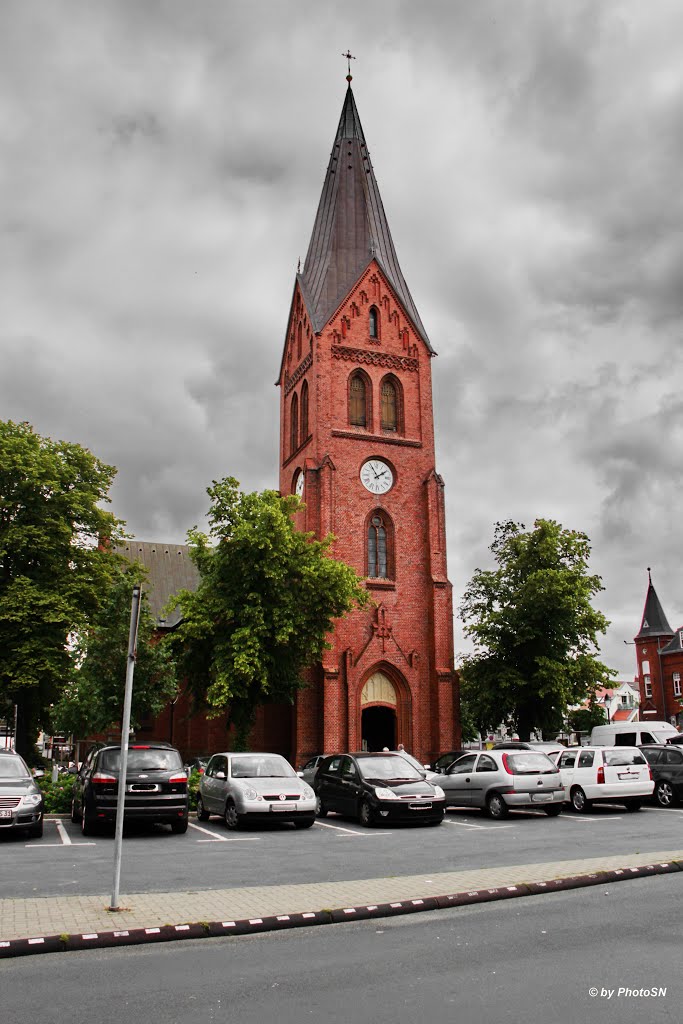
160 169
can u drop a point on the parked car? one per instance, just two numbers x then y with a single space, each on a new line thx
376 788
498 780
614 775
425 771
666 765
632 734
308 771
21 798
156 787
197 764
441 763
245 788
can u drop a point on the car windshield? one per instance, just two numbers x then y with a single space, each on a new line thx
663 737
142 759
412 760
256 767
13 768
615 758
530 762
386 768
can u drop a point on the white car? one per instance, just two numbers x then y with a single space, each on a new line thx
254 787
610 775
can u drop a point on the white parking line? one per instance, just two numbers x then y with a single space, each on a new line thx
63 835
350 831
216 838
466 824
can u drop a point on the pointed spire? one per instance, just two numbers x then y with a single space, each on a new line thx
654 622
350 229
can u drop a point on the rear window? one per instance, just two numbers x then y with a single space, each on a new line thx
142 759
616 758
529 762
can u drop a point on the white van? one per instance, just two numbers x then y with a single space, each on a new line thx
631 734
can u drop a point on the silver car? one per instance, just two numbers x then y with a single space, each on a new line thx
21 799
254 787
498 780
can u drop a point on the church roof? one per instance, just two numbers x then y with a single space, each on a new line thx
675 644
350 229
654 622
169 569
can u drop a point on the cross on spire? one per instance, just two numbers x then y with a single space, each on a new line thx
349 57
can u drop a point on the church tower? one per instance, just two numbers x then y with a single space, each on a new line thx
357 444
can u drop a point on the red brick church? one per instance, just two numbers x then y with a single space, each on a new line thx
659 654
357 444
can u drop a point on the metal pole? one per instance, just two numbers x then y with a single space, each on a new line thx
125 730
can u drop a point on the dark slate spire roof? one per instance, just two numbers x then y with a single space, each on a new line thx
675 644
654 620
350 229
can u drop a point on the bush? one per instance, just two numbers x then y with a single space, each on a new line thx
57 794
192 788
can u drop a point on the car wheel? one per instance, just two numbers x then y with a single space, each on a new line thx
579 801
320 808
365 815
202 813
87 826
179 828
553 811
231 817
633 805
36 831
304 822
496 806
664 793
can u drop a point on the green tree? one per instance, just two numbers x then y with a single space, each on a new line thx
267 598
585 719
53 572
93 701
534 629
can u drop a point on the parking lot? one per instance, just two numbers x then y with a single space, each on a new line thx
208 856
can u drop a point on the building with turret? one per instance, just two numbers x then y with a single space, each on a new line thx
659 654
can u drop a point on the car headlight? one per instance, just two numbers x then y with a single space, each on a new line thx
308 792
439 793
383 793
32 799
250 793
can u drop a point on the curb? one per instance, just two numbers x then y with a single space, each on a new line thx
249 926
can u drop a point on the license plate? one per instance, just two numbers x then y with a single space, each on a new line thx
420 807
626 776
283 807
5 814
541 798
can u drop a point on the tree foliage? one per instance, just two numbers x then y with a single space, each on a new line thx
534 629
53 573
584 720
93 700
267 598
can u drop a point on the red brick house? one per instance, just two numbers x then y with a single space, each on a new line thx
659 654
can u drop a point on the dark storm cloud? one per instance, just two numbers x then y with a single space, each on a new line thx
160 166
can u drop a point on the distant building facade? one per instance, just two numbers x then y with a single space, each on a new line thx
659 656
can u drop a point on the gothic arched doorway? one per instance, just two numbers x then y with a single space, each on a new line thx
378 713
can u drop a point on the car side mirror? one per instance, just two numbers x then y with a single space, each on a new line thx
300 774
220 775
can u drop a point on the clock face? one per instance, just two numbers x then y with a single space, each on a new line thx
299 485
376 476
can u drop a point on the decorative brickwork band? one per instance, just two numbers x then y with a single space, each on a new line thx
359 355
290 382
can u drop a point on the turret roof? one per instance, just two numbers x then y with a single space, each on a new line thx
350 229
654 622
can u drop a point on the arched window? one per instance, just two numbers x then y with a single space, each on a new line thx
380 546
304 412
294 423
358 404
389 405
373 318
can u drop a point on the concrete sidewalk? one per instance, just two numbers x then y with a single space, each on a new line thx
43 924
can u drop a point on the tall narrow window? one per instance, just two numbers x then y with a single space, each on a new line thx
377 548
294 423
357 401
373 317
299 337
389 403
304 411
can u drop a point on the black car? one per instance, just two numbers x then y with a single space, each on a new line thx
445 760
156 787
377 788
666 765
21 799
